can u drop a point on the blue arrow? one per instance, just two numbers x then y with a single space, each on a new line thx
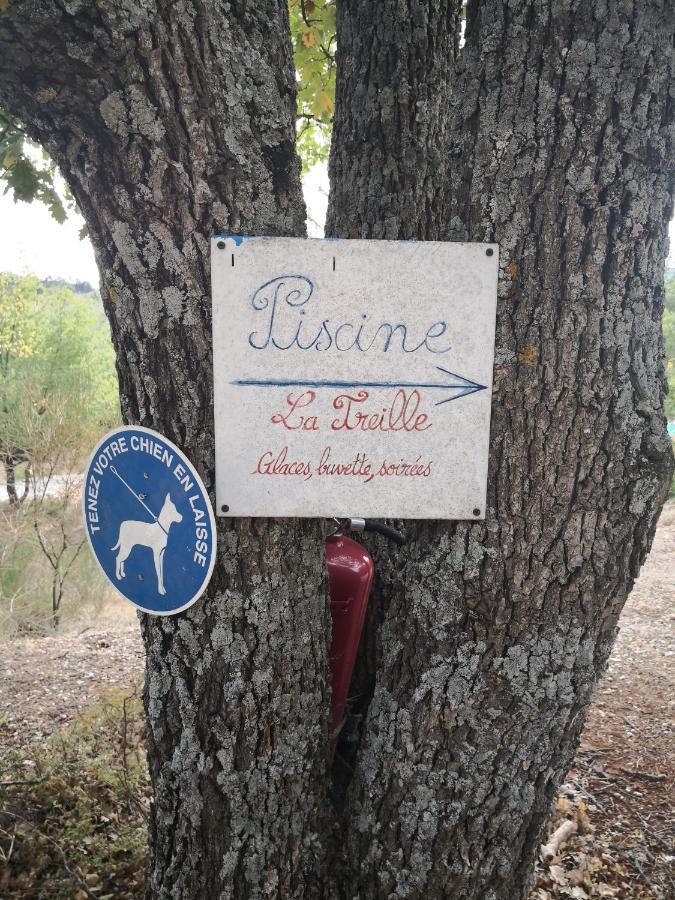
465 386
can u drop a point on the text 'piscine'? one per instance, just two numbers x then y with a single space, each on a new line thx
290 317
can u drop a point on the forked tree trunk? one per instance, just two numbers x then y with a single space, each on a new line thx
492 636
173 120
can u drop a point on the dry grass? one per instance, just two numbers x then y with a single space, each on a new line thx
73 809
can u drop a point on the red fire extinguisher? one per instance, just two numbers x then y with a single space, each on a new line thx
350 575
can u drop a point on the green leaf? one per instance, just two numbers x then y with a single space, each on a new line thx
313 34
27 171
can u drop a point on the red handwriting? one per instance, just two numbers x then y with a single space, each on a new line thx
271 464
360 467
402 415
406 469
292 420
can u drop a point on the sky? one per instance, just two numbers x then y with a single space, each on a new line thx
32 242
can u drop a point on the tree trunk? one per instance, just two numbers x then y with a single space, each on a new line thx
395 66
11 461
10 480
493 635
394 74
172 121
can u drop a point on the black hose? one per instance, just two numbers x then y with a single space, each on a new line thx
385 531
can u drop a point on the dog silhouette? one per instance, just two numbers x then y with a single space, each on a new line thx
147 534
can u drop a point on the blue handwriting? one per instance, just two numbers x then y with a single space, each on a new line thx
284 302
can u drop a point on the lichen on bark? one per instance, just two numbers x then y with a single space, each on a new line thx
547 132
171 122
492 636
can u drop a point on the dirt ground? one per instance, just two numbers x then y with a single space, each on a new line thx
45 682
615 809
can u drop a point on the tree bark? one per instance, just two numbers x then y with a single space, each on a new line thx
546 132
493 635
172 121
394 67
11 461
10 480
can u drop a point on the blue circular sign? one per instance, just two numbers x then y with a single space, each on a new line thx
149 520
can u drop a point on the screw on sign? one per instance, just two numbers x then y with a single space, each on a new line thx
149 520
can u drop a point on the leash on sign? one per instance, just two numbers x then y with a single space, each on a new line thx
139 497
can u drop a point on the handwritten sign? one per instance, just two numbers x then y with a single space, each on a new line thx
352 378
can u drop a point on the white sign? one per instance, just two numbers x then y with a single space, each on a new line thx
352 378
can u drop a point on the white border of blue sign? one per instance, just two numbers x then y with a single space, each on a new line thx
207 578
